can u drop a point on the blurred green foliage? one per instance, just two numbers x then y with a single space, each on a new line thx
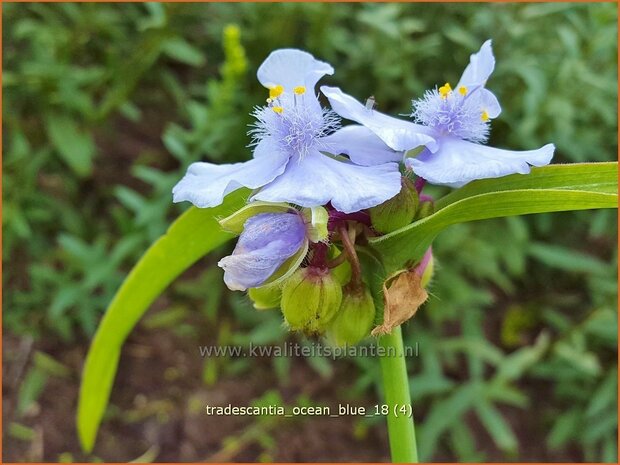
105 105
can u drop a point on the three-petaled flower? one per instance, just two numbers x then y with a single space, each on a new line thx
450 125
296 143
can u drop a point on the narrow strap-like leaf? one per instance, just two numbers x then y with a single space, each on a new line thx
193 235
591 177
554 189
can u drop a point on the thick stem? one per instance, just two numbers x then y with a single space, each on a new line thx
401 429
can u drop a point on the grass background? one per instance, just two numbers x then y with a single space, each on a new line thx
105 105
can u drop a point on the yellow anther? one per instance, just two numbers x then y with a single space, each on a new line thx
445 90
299 90
269 100
484 116
278 110
463 91
276 91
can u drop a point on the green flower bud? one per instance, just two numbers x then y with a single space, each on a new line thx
355 318
427 275
311 298
341 272
426 267
316 219
397 212
265 297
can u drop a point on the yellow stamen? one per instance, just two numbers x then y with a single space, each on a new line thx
278 110
484 116
276 91
445 90
463 91
299 90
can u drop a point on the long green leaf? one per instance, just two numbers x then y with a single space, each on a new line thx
592 177
190 237
555 188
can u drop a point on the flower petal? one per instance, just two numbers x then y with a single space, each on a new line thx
479 69
485 101
206 184
361 145
291 68
458 162
489 103
318 179
267 241
398 134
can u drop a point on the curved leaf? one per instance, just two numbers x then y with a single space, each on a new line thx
549 189
592 177
190 237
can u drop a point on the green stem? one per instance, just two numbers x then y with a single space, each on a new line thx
401 429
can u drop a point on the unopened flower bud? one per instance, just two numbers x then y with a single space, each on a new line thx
355 318
311 298
271 245
342 272
397 212
426 267
265 297
316 223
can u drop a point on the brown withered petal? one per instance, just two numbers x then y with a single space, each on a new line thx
401 300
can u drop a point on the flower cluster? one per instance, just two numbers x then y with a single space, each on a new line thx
320 188
291 137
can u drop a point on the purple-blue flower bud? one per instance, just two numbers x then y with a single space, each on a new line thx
267 241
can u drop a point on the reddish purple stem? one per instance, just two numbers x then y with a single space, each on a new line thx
319 255
336 218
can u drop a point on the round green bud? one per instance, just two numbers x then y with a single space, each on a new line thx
355 318
265 297
342 273
311 298
397 212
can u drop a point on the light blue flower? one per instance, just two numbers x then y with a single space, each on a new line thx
267 241
291 137
451 125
